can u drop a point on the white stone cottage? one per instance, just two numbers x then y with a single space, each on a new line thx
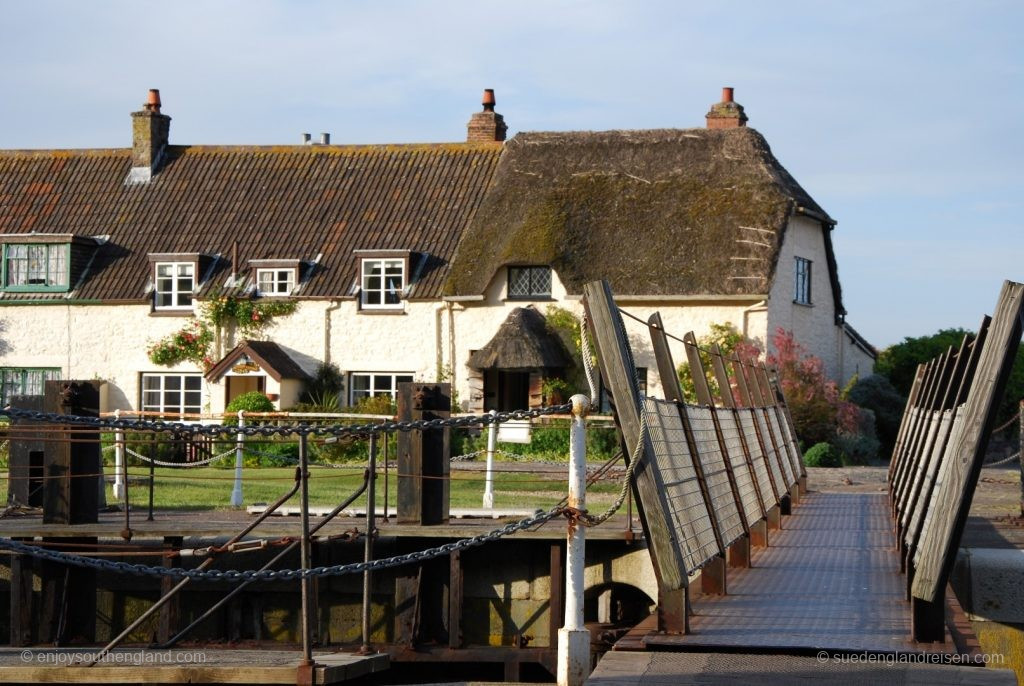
400 261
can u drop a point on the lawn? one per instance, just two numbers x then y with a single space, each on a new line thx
210 488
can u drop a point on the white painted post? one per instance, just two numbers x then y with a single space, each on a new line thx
236 492
118 460
492 444
573 638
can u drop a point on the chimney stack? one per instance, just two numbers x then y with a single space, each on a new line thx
486 126
150 131
727 114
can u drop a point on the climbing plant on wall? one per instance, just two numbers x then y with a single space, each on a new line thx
202 338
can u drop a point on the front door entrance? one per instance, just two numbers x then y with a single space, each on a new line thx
237 385
506 391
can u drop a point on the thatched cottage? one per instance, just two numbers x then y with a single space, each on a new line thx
185 275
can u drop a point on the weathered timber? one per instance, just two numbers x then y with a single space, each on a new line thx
939 548
423 456
619 375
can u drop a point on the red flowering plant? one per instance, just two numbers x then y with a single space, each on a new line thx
189 344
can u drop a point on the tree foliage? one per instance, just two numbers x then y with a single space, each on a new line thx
899 362
819 412
875 393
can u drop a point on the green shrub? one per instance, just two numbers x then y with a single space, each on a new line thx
877 394
861 447
823 455
253 401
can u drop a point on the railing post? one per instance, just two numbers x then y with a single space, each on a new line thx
236 492
574 638
366 648
492 444
118 459
304 554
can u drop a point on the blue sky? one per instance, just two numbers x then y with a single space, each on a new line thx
901 118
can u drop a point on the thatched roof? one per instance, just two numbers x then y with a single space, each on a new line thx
523 342
660 212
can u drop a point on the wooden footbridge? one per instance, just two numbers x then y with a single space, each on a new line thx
842 573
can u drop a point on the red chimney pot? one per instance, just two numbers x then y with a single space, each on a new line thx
488 102
153 100
727 94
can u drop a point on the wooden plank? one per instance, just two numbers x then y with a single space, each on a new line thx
423 456
22 614
619 376
455 599
990 379
745 393
901 434
697 373
556 598
725 391
663 357
171 611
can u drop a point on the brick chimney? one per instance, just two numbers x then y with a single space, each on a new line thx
487 125
726 114
149 138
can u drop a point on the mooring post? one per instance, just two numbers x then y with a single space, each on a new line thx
574 638
492 444
118 489
365 648
236 492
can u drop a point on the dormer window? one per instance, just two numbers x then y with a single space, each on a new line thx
175 285
382 282
529 283
176 278
39 263
275 277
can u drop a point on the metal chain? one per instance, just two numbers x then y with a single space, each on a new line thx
286 430
1009 421
281 574
180 465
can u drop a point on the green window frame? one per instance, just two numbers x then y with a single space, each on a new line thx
25 381
36 267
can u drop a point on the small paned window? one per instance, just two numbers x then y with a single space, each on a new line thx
175 284
802 281
369 384
36 266
382 283
178 394
275 281
20 381
529 282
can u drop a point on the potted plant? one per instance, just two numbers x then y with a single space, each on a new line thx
556 390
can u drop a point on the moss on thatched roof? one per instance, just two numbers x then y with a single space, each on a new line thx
523 342
660 212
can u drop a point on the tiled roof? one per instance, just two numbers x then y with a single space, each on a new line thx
314 203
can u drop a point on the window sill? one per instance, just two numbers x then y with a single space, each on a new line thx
382 310
797 302
171 313
529 299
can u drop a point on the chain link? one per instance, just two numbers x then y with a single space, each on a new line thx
285 430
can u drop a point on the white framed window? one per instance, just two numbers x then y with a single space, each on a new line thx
172 393
382 282
24 381
368 384
802 281
275 281
529 282
36 266
175 285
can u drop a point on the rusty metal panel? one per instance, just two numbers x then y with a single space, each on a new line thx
688 513
716 473
781 469
740 467
787 445
769 497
